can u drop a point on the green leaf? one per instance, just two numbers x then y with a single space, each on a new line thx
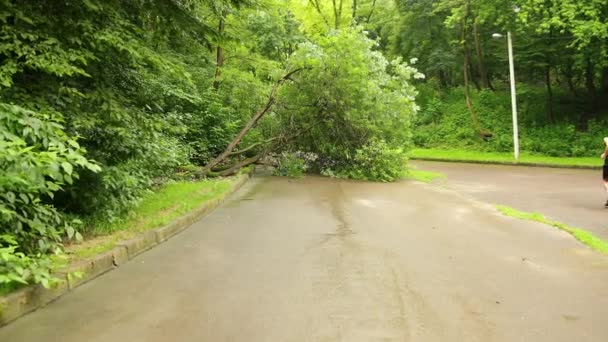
10 196
67 167
70 231
24 198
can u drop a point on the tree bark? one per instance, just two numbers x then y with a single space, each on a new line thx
219 53
281 139
568 74
369 16
471 76
549 94
592 93
337 13
590 83
317 6
234 168
340 13
481 66
443 82
605 80
254 119
466 63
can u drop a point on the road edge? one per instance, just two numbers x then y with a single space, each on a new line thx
31 298
491 162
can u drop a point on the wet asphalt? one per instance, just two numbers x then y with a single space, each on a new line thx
572 196
319 259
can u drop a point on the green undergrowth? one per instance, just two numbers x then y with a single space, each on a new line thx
504 157
424 176
581 235
8 288
155 210
559 130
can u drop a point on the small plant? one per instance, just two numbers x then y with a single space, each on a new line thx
18 269
38 160
291 165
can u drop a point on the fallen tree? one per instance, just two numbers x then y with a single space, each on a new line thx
228 152
351 108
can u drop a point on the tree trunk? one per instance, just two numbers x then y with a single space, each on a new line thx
355 11
549 94
236 167
466 64
470 70
590 83
483 71
465 67
219 53
568 74
254 119
369 16
605 80
443 82
281 139
592 93
340 13
337 12
317 6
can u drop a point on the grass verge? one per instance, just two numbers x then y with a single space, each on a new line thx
581 235
423 176
155 210
505 158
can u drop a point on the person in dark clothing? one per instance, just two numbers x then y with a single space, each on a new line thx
605 172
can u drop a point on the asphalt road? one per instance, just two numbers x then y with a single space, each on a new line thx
318 259
572 196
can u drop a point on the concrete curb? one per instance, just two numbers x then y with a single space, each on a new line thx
26 300
553 166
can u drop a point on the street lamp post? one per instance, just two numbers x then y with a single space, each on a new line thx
513 94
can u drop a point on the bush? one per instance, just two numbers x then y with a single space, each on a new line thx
18 269
376 161
290 165
37 159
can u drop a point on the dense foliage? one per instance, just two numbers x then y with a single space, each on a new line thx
444 122
561 67
354 111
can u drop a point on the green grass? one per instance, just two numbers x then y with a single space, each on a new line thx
155 210
423 176
504 157
167 203
97 247
581 235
